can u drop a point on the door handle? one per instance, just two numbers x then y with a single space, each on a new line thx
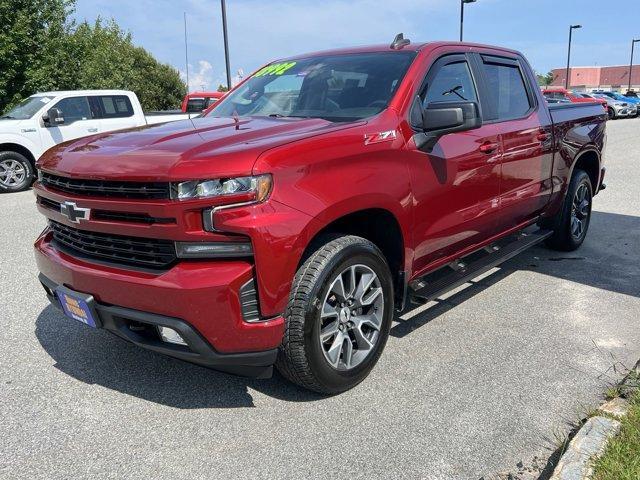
488 147
92 130
543 136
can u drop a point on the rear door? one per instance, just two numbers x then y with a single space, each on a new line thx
115 112
511 106
456 183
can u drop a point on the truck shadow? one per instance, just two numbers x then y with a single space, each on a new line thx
608 260
97 357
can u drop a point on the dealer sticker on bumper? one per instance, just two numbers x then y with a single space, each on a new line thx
76 308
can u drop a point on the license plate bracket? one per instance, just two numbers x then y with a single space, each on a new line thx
78 306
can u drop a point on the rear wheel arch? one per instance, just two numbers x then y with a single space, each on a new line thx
589 161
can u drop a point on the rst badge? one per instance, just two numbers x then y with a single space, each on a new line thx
371 138
73 212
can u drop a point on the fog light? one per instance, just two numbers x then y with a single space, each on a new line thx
169 335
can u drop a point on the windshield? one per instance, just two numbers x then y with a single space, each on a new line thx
27 108
337 87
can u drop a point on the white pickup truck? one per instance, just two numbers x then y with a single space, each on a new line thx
47 119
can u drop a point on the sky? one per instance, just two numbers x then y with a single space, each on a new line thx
265 30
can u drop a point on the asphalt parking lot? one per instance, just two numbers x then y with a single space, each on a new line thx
481 381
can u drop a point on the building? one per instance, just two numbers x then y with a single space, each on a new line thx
606 78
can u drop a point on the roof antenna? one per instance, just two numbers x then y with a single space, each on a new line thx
399 42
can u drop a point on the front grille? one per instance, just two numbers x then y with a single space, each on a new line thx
116 249
111 216
104 188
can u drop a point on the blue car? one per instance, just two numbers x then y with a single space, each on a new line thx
618 96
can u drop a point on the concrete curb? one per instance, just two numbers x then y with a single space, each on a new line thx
589 443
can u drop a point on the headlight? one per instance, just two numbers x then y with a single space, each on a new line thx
256 188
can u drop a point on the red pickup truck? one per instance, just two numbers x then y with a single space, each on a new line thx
327 191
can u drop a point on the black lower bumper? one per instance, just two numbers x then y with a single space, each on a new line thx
140 328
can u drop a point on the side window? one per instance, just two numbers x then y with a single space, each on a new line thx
452 82
509 98
74 109
115 106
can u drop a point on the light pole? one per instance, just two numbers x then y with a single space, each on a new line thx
226 42
633 43
566 83
462 2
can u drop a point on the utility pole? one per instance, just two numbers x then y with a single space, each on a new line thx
571 28
186 51
226 42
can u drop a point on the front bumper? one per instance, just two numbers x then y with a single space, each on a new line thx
200 298
120 321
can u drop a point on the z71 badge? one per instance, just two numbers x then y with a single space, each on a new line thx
372 138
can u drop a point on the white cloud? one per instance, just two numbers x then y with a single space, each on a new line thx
200 78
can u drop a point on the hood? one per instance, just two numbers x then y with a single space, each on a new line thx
182 150
9 124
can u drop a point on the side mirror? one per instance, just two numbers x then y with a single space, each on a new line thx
441 118
53 117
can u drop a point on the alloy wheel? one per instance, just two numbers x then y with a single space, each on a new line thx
12 173
580 210
351 318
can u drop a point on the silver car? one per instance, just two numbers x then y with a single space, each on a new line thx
617 108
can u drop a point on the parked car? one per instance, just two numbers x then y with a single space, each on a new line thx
198 102
322 194
631 93
567 95
47 119
616 108
632 101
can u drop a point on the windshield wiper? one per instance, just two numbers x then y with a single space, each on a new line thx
8 117
454 91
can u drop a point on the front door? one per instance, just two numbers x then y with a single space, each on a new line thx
456 184
79 121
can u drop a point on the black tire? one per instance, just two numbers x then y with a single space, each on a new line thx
26 177
301 356
564 237
611 113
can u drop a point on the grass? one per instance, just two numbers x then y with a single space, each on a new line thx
621 459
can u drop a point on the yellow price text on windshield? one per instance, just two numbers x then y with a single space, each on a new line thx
274 69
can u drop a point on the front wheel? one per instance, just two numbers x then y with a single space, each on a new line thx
611 113
572 222
338 317
16 172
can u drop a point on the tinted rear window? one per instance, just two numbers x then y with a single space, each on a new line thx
509 97
114 106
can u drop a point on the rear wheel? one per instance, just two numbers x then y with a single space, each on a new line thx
338 316
16 172
572 222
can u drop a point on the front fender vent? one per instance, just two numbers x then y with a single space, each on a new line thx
249 302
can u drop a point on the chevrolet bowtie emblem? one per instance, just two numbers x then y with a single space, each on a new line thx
73 212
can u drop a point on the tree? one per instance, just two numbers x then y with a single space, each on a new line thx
43 50
545 80
31 31
222 88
